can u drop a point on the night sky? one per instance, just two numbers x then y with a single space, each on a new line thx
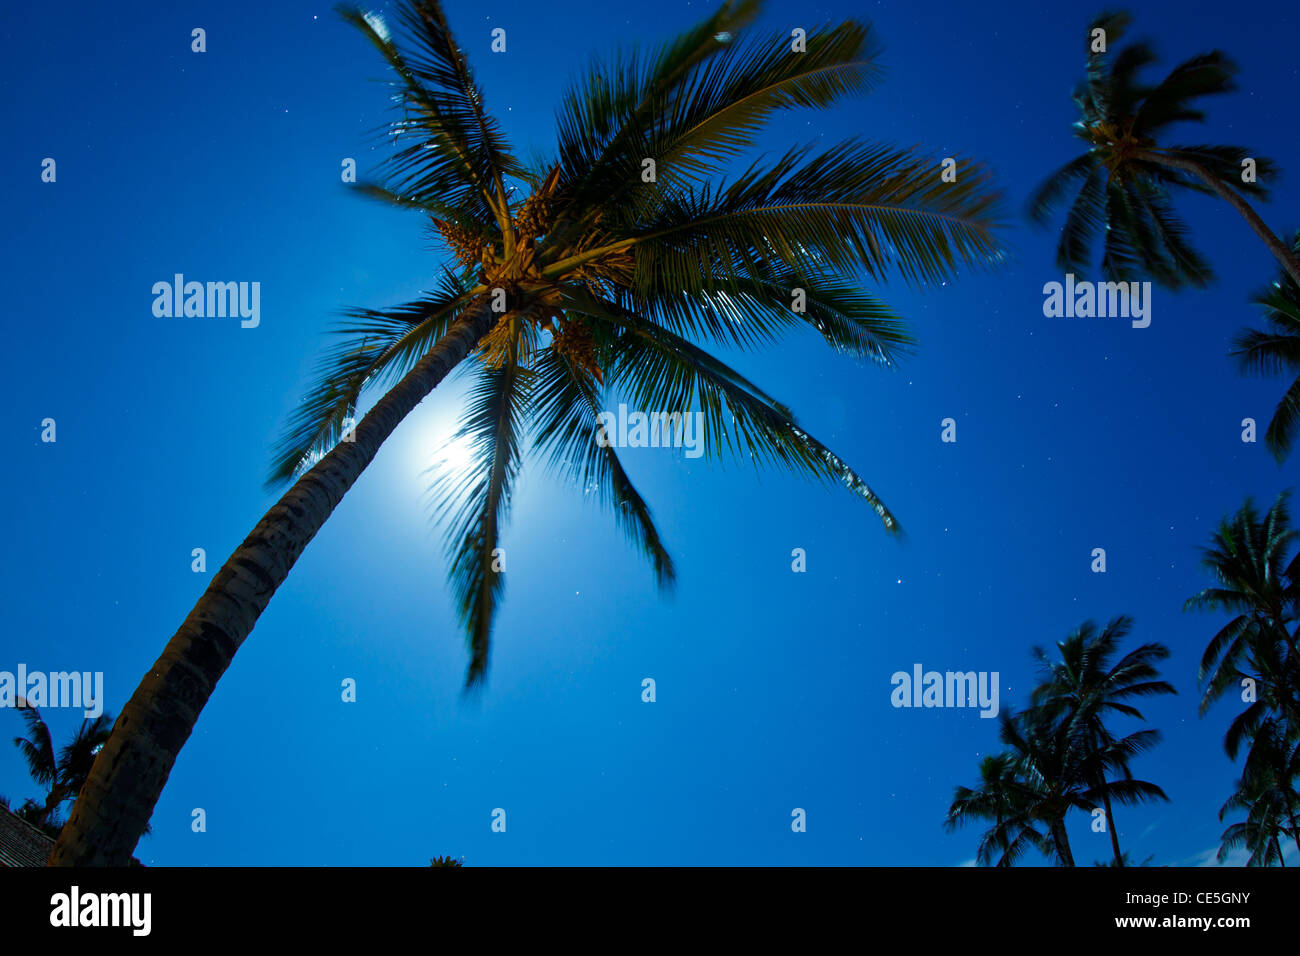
772 687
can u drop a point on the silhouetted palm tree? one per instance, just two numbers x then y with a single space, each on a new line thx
1256 582
1051 771
1032 784
1121 185
64 773
635 258
1084 687
1256 654
1276 350
1000 799
1267 792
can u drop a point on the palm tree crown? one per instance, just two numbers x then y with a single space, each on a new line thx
1122 185
1060 753
614 266
1257 583
1083 687
1276 349
62 773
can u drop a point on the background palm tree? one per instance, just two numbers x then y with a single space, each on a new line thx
1267 792
1026 791
1255 581
1256 649
1061 755
1121 186
62 774
602 278
1085 686
1276 350
1050 773
1269 802
1001 800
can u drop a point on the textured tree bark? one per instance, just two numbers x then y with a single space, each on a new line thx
1230 196
129 773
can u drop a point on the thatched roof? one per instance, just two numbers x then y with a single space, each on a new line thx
21 844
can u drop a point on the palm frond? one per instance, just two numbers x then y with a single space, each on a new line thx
476 502
566 406
856 207
456 154
665 372
377 346
37 748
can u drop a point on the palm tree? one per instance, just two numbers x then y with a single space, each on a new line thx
1123 182
63 773
1035 782
1276 350
627 259
1000 800
1254 581
1086 685
1267 792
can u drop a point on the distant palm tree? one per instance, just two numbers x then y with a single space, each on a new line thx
1083 688
635 258
1000 800
1277 350
1257 583
64 773
1051 769
445 861
1121 185
1260 586
1026 791
1267 792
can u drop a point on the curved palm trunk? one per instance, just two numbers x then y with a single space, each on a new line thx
1110 824
1062 841
58 793
128 775
1230 196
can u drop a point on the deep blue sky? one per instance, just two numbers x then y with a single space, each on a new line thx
773 688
